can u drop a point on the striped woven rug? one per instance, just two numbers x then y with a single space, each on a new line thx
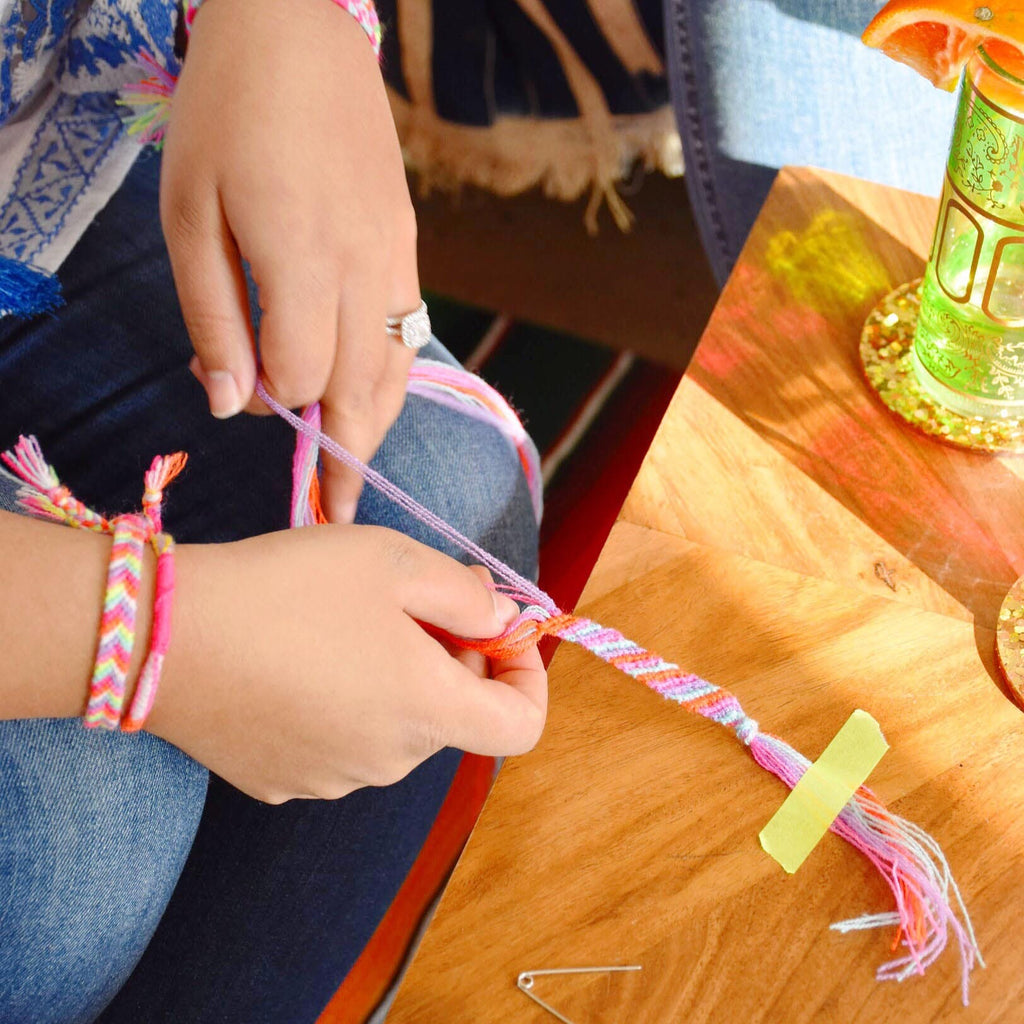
592 413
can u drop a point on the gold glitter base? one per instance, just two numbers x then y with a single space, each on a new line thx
1010 639
885 355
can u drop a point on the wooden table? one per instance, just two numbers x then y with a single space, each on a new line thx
789 540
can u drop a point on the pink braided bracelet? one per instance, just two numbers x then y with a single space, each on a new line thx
163 470
149 677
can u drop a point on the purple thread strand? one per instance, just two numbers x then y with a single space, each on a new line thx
413 507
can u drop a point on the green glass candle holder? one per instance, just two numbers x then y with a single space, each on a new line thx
968 351
948 355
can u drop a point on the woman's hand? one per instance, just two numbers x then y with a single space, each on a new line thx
298 666
282 150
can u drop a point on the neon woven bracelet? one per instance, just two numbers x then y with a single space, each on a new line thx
162 470
149 677
117 623
362 10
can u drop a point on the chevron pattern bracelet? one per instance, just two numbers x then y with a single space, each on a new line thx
117 623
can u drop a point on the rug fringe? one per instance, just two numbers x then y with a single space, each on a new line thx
515 154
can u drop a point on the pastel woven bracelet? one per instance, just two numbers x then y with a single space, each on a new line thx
117 623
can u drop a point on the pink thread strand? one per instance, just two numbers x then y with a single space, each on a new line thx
404 501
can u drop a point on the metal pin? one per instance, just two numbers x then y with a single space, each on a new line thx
525 983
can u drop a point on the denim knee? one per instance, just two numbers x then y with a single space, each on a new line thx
758 84
8 492
465 471
94 831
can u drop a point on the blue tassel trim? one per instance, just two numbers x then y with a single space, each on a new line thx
25 290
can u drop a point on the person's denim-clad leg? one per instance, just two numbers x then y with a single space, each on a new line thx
759 84
123 876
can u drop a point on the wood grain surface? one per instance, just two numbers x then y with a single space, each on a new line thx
789 540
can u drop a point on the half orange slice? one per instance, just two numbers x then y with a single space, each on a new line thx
937 37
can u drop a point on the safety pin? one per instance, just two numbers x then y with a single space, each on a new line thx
525 983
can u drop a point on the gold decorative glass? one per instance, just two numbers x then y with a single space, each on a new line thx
968 350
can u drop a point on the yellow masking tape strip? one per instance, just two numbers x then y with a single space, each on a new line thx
825 789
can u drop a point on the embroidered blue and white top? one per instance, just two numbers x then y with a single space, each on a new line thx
64 149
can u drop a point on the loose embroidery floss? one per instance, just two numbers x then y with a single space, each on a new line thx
473 396
149 101
929 907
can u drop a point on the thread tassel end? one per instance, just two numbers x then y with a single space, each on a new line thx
929 907
147 102
26 290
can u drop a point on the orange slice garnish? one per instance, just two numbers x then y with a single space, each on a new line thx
937 37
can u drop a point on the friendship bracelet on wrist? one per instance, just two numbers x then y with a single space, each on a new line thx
117 624
362 10
43 495
149 677
160 474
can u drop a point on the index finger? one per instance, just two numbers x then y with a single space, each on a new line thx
349 406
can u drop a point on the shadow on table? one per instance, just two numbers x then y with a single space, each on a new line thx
795 652
781 354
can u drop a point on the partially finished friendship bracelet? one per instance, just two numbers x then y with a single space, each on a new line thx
929 909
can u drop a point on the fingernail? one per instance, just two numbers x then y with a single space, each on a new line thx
222 391
505 608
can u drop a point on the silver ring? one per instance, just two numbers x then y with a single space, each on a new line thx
413 328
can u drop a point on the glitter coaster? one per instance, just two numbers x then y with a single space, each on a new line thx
1010 639
885 354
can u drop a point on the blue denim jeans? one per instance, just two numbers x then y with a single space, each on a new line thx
759 84
132 887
